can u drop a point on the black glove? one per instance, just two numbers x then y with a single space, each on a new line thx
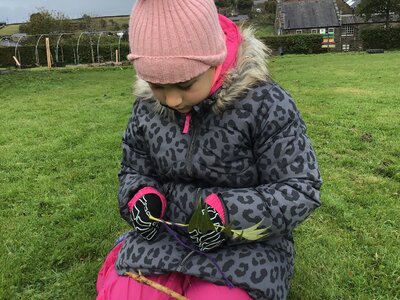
148 204
212 239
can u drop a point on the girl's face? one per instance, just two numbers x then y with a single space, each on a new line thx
183 95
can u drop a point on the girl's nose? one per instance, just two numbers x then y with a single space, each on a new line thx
173 98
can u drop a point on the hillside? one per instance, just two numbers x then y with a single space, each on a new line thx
9 29
111 23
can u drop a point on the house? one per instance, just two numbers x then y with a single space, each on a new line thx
5 41
335 19
239 18
352 3
16 37
351 26
308 16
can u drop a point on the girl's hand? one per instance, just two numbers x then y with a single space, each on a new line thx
148 204
212 239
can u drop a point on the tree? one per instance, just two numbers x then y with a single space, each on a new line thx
39 23
244 5
114 25
223 3
61 22
224 6
384 8
87 23
270 7
103 24
43 22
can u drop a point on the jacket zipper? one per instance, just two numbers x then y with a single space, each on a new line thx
189 156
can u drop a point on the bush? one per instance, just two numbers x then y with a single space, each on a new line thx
373 38
296 43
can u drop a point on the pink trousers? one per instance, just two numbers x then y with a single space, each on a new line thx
111 286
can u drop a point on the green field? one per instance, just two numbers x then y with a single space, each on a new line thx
12 29
9 30
261 30
264 30
60 135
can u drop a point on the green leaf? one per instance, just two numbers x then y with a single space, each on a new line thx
252 233
200 220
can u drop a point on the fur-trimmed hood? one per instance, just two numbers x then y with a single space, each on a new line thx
250 68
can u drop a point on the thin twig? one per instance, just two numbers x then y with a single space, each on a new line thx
167 222
217 226
141 279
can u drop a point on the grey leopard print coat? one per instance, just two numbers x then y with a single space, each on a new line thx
248 144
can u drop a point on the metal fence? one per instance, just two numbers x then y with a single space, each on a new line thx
83 47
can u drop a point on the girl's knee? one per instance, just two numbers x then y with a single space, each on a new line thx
201 289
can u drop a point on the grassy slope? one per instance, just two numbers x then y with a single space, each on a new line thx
9 30
262 30
351 103
60 152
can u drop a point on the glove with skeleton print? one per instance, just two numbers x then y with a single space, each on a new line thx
213 239
147 201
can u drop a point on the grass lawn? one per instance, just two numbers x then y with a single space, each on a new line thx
349 249
60 134
262 31
120 20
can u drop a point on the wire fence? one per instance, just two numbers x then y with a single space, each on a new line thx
65 48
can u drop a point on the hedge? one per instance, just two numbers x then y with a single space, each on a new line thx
380 38
67 54
296 43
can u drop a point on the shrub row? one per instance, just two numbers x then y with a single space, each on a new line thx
374 38
296 43
66 54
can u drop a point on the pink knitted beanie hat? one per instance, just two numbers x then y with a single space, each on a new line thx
173 41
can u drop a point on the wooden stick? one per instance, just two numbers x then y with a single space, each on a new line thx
48 53
17 62
141 279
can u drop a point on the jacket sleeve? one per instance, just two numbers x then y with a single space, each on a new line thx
137 169
287 169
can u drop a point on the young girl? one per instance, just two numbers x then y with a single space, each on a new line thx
208 123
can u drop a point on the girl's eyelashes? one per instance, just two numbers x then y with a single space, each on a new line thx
155 86
183 87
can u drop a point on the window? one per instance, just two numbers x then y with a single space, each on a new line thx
346 47
322 31
314 30
331 30
347 31
299 31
